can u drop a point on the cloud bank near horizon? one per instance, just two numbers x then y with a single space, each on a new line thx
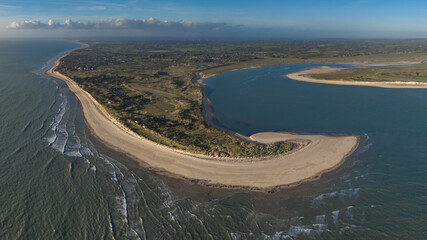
151 24
153 27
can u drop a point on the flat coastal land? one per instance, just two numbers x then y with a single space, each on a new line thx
317 153
314 75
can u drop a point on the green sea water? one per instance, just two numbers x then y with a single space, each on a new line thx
56 182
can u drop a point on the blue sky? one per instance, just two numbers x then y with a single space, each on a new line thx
276 18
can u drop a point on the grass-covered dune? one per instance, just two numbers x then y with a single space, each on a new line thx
415 73
148 88
147 85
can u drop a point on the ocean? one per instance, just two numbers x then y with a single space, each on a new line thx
58 182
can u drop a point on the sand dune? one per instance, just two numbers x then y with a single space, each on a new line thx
318 154
305 77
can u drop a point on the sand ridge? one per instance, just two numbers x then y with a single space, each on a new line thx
319 154
305 77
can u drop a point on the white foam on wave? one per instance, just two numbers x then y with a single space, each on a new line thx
129 188
324 196
297 230
349 193
59 126
169 202
192 215
61 137
369 143
296 221
111 226
344 229
61 111
320 223
93 168
57 118
292 228
73 146
173 215
115 174
276 236
74 154
86 152
349 212
111 168
64 138
343 195
140 230
127 200
47 65
335 215
131 233
50 140
90 166
234 236
294 231
122 207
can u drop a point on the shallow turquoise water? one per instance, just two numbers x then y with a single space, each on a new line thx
56 184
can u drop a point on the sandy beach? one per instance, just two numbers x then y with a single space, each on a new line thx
379 64
305 77
317 154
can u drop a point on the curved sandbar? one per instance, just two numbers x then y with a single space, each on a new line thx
305 76
321 154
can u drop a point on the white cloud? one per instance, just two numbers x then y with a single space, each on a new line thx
115 24
32 24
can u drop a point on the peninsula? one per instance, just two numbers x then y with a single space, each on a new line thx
407 77
138 98
317 154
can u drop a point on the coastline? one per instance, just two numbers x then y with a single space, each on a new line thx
379 64
208 114
320 154
304 76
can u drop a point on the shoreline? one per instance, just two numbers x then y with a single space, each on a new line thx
304 76
321 153
380 64
208 114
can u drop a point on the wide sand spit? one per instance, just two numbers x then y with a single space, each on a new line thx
305 76
316 155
